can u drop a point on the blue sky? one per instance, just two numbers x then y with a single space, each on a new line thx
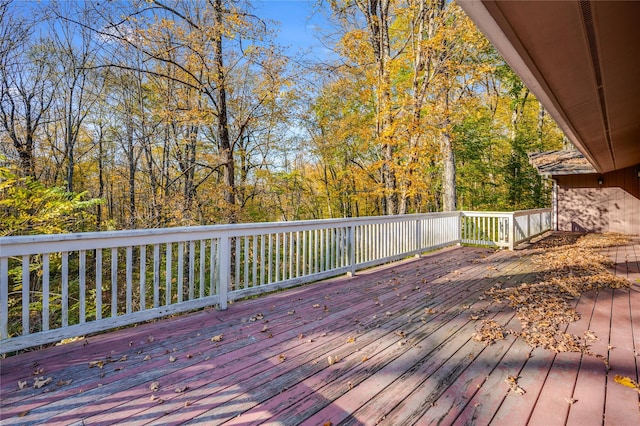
298 23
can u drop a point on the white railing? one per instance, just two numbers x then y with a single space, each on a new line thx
503 229
54 287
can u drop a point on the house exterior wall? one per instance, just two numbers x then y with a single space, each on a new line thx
586 206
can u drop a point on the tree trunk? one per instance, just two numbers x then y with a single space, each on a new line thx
449 164
222 129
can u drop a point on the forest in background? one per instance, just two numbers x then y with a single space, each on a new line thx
145 114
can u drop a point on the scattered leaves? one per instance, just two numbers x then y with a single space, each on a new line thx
217 338
22 384
489 332
181 389
41 381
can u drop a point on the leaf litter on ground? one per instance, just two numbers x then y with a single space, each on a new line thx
571 266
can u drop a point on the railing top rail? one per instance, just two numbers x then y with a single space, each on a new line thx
33 244
491 214
529 212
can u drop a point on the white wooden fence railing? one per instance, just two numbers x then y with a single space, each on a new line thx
54 287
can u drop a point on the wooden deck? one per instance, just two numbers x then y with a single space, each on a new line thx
401 348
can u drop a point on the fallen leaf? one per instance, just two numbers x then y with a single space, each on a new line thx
38 371
41 381
571 400
264 329
150 339
98 364
154 386
147 358
364 359
332 359
23 413
217 338
513 385
123 358
22 384
172 359
627 381
317 305
181 389
187 403
291 312
351 340
64 382
281 357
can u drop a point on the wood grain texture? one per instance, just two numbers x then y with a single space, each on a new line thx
402 337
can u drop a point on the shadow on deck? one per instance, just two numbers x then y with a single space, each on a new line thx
392 345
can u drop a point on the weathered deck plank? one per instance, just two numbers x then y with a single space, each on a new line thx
403 336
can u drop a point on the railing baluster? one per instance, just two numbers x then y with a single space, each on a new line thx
254 261
45 291
262 263
143 277
180 277
156 275
98 284
203 252
213 261
25 295
82 282
168 272
129 283
65 290
114 282
192 270
247 259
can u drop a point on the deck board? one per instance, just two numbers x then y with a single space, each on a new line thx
403 336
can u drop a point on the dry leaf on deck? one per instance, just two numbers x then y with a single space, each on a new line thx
22 384
41 381
181 389
627 381
351 339
217 338
332 359
281 357
155 386
98 364
172 359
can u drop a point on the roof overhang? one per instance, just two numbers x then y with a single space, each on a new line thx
582 61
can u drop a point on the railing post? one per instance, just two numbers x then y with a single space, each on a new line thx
224 270
351 247
512 229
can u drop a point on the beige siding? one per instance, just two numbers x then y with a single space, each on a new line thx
614 206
